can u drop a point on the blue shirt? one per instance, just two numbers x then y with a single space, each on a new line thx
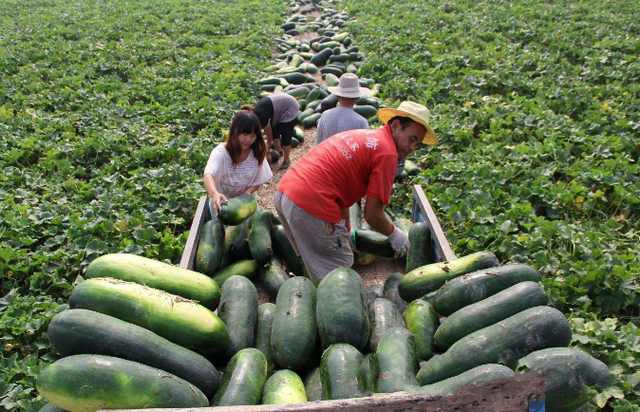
337 120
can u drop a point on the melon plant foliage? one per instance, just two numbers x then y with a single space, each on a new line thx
108 113
538 113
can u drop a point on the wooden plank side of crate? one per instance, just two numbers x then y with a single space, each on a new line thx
513 395
190 248
422 211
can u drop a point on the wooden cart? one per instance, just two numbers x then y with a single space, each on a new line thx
421 212
523 393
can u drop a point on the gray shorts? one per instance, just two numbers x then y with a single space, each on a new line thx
323 245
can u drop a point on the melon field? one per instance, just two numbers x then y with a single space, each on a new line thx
109 110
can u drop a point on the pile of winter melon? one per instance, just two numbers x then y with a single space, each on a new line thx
144 334
331 53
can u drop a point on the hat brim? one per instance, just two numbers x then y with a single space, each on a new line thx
362 91
386 114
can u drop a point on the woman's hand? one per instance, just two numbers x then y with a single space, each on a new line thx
216 202
216 197
251 190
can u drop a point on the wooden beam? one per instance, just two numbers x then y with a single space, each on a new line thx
442 244
511 395
190 248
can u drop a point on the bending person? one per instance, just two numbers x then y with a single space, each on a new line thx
278 113
314 197
238 165
342 117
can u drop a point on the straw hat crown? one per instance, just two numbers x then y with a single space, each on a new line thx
416 112
349 86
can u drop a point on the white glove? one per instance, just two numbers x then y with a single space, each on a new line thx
399 241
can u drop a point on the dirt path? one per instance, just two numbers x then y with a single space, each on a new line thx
381 268
265 194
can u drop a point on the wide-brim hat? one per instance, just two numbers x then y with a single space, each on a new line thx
349 86
416 112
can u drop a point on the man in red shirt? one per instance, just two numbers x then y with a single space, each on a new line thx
314 197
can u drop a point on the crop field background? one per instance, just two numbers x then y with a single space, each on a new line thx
537 106
108 112
109 109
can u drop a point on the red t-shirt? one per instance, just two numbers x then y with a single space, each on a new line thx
341 170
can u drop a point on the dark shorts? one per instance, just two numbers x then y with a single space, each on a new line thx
283 131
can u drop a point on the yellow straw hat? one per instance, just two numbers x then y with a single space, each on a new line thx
416 112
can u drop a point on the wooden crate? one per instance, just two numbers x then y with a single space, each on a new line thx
421 212
523 393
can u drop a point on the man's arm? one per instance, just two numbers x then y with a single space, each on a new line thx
269 132
374 215
344 213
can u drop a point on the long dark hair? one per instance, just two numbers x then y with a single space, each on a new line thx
245 121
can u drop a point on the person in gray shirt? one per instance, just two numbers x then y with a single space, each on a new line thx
343 117
278 114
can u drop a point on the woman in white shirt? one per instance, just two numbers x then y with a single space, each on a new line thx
238 165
